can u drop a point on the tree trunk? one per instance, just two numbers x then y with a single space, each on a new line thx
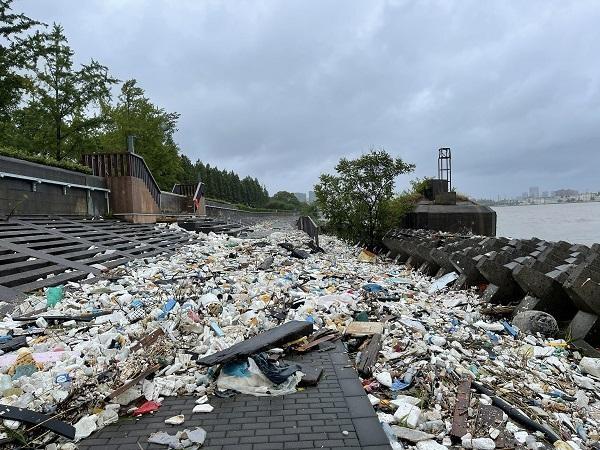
371 230
58 141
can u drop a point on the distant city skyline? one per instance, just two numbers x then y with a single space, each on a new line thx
301 196
536 192
305 197
532 196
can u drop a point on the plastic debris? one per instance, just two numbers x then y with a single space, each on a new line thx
185 439
442 282
218 331
408 414
175 420
373 287
203 408
156 326
367 256
54 295
85 426
590 365
276 373
510 329
147 408
254 382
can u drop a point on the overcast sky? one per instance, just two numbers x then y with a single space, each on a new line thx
281 90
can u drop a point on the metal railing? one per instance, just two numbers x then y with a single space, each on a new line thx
306 224
123 164
187 189
192 192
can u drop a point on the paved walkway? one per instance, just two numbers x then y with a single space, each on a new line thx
314 418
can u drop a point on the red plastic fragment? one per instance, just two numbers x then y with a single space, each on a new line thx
147 407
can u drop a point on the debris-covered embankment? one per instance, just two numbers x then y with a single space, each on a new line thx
436 369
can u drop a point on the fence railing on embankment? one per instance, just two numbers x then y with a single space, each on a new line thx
306 224
229 213
123 164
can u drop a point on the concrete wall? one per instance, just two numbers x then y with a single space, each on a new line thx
131 200
24 196
174 204
457 218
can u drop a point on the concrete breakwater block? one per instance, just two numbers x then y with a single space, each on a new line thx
583 287
584 332
466 266
549 293
496 271
556 278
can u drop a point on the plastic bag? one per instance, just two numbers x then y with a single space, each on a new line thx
254 382
54 295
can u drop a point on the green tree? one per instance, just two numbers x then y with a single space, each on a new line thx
65 99
16 54
352 200
188 170
284 200
153 128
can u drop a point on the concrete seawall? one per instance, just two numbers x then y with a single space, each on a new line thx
31 188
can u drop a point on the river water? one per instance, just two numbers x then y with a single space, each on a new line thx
578 223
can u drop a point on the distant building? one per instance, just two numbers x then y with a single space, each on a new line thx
545 194
301 196
566 193
524 196
311 196
534 192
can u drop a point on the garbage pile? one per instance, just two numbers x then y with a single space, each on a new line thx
216 317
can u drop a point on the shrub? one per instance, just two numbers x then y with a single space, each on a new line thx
46 160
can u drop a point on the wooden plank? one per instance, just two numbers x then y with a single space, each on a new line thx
364 328
132 382
13 344
461 409
148 340
369 355
321 340
312 374
61 317
274 337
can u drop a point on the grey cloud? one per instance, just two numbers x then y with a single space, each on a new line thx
282 89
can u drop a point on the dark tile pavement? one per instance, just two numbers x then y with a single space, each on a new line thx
313 418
